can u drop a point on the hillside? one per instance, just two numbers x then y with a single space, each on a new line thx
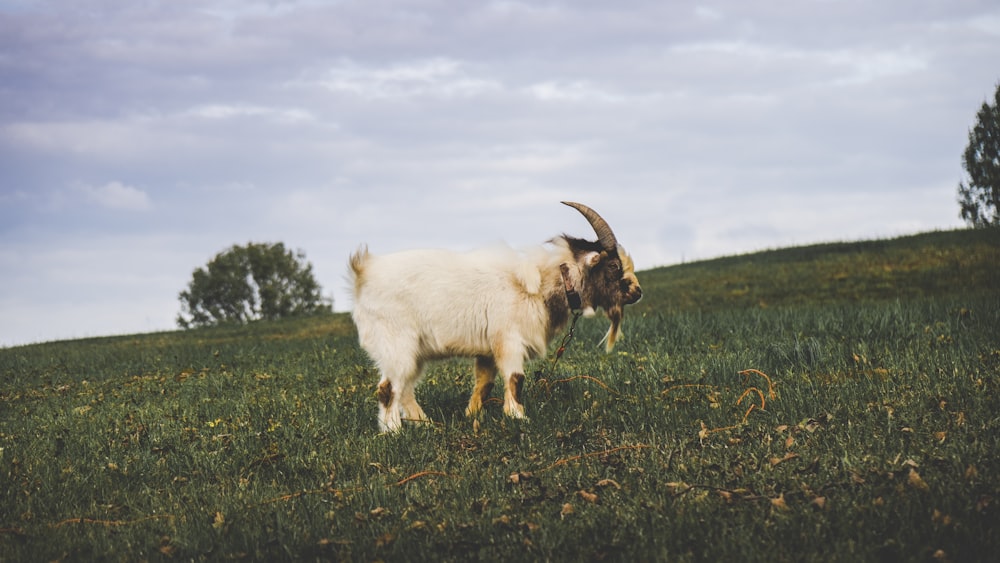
833 402
963 262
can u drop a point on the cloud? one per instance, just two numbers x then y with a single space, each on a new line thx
231 111
118 196
438 77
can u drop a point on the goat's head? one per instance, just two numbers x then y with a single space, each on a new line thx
609 274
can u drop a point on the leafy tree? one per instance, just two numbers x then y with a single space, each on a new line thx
980 198
252 282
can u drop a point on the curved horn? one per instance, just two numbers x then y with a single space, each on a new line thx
604 233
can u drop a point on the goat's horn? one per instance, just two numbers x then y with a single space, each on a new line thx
604 233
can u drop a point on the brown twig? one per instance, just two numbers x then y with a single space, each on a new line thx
592 454
770 385
749 391
109 523
402 482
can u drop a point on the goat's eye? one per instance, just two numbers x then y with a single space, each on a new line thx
615 267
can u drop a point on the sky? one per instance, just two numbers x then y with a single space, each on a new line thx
140 138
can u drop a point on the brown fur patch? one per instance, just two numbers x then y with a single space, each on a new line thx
484 392
384 393
516 382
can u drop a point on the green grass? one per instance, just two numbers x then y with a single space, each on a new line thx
880 444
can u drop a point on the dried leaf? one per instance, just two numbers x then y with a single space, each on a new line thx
608 483
218 521
810 425
516 478
677 487
790 455
940 436
819 502
779 503
789 442
971 473
567 509
589 497
917 482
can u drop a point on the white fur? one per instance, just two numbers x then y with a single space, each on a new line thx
415 306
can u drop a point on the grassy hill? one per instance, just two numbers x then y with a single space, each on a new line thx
829 402
931 265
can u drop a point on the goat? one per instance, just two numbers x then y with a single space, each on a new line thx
497 305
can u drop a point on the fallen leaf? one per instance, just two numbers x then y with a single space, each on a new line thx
567 509
676 487
790 455
917 482
516 478
971 473
218 521
819 502
940 436
589 497
608 482
789 441
779 503
941 518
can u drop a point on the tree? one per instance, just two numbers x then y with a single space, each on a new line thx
252 282
980 198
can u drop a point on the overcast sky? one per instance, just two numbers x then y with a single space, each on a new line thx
140 138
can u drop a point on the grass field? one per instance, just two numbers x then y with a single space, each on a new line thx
829 403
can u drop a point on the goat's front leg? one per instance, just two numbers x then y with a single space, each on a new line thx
486 372
512 368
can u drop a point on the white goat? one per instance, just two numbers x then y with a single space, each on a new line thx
497 305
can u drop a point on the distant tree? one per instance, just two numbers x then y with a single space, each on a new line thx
980 198
252 282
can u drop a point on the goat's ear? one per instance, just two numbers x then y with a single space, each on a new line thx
592 259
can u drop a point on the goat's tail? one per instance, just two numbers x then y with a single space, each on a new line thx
358 261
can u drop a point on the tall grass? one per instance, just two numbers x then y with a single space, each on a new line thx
878 443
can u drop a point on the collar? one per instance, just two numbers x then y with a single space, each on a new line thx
575 302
